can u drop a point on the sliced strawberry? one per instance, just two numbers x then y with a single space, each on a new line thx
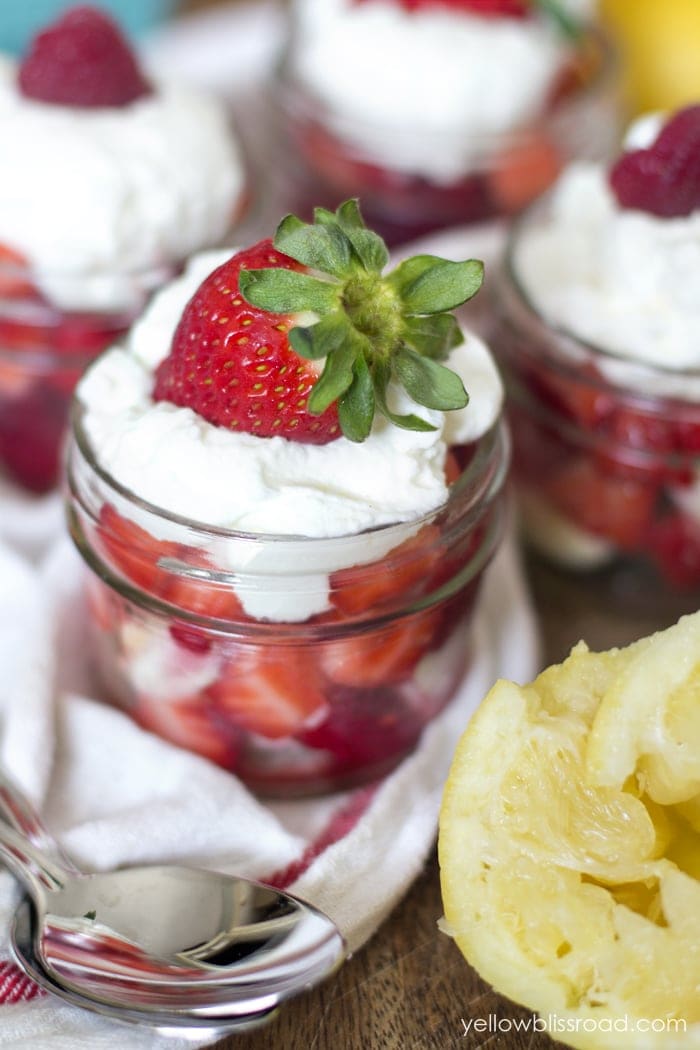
106 607
202 597
524 171
619 509
363 588
82 60
364 727
378 657
15 380
642 445
193 724
135 552
216 601
582 397
688 435
13 275
32 425
272 691
674 544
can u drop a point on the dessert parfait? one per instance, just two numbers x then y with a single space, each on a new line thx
442 112
286 499
108 181
600 308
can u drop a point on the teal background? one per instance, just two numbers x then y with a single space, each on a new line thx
20 19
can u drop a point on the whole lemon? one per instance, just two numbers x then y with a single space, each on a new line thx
659 41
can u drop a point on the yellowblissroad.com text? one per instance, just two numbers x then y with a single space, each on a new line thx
553 1024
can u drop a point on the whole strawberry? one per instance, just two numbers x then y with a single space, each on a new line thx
302 336
82 60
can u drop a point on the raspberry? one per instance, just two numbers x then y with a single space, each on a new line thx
665 179
82 60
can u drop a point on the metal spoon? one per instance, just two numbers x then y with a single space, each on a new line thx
166 1023
165 937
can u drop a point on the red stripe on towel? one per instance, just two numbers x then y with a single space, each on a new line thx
15 986
341 823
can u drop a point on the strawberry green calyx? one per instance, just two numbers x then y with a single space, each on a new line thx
370 328
562 18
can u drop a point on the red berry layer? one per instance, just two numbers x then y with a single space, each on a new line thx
303 706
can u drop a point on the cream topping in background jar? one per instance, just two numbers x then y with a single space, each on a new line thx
417 90
91 196
626 280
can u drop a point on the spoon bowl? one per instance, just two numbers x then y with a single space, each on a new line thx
164 1022
161 940
156 934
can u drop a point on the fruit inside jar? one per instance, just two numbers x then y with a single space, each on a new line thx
43 353
606 472
291 707
597 334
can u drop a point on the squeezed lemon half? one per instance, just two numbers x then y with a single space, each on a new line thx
569 843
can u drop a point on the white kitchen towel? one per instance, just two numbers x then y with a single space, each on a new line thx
115 794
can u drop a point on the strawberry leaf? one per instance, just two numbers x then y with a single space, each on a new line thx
321 339
554 10
382 375
286 291
428 382
429 285
324 248
369 247
433 336
349 216
356 406
336 378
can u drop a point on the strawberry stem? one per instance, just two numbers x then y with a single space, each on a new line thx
373 329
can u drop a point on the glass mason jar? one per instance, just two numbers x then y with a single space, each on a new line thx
606 451
44 349
328 158
43 352
302 665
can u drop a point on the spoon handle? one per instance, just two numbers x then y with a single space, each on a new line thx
36 871
19 813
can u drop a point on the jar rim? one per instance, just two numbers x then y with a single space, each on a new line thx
466 488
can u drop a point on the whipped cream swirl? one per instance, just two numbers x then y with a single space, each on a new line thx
97 199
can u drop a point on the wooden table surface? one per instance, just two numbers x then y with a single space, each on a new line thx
410 988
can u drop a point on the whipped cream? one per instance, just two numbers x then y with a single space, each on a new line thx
624 280
95 199
177 461
423 91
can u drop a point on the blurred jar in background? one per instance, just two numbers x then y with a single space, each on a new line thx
109 180
438 114
659 42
